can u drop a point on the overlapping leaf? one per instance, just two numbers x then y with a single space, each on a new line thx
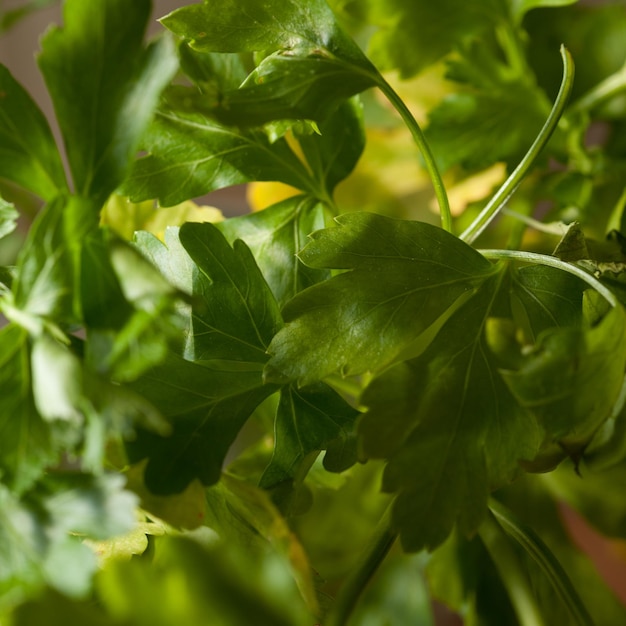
104 86
309 420
190 155
275 236
404 277
8 218
28 152
436 29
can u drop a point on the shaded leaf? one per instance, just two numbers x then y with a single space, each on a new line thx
206 409
104 87
307 421
446 450
28 152
521 7
404 276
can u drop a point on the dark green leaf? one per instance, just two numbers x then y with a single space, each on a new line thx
333 154
190 155
447 449
104 86
414 35
521 7
8 218
404 276
572 378
238 316
309 420
28 152
294 84
206 408
275 236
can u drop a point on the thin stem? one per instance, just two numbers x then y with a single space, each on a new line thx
511 184
603 91
551 261
548 563
354 586
420 140
507 562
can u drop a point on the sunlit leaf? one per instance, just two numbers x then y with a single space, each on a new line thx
8 218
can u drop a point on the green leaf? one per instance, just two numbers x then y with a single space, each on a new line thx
436 29
206 409
28 152
521 7
104 86
238 316
190 155
38 542
8 218
309 420
334 153
473 128
275 236
28 444
293 84
446 449
572 378
247 25
404 276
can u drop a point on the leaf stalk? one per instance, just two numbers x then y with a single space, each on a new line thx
500 198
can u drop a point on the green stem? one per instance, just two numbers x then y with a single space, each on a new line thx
551 261
548 563
420 140
603 91
495 205
354 586
507 562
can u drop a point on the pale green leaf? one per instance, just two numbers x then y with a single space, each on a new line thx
8 218
521 7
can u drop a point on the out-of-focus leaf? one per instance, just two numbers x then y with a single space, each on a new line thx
28 443
191 155
275 236
404 276
234 507
8 218
532 503
473 128
38 542
104 86
309 420
9 18
436 29
28 152
521 7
